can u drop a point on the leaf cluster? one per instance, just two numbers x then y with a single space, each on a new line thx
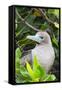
31 73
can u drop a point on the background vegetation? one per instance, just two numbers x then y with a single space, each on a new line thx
29 21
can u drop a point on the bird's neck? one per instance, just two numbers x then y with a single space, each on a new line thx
45 43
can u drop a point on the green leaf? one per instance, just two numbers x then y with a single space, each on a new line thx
51 11
44 26
17 64
56 12
54 40
18 53
23 71
35 63
23 41
42 72
56 24
37 69
30 71
17 70
50 77
36 13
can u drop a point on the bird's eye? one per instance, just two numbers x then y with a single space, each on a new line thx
41 37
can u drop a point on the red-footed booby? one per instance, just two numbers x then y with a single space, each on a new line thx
43 50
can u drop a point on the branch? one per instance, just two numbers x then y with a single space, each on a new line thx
25 17
44 16
25 22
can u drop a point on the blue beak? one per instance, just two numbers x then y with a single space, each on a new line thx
35 38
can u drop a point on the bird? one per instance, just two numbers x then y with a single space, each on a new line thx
43 50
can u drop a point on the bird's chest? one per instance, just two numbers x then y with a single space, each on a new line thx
45 55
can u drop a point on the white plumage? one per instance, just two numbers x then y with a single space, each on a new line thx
44 50
45 55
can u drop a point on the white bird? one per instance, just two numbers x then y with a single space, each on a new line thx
43 50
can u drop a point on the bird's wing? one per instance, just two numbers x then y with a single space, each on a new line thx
26 57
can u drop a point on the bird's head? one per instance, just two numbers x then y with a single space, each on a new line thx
40 37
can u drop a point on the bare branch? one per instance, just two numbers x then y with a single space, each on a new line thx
25 22
25 17
44 16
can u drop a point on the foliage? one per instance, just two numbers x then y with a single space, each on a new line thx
34 73
47 20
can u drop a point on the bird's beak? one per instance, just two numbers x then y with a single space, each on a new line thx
35 38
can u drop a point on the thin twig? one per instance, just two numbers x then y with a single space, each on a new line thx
25 22
44 16
18 45
17 22
28 14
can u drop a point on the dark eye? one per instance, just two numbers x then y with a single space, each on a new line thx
41 37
